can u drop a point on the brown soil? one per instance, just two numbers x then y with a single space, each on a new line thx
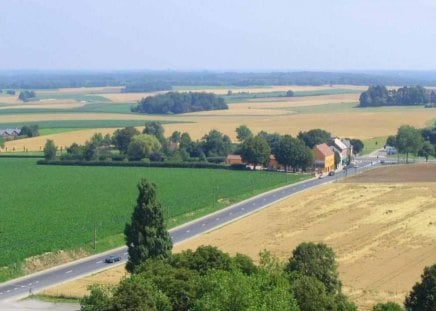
422 172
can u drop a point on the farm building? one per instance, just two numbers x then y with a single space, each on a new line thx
324 158
9 133
273 164
234 159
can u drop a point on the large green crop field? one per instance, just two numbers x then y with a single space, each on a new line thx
49 208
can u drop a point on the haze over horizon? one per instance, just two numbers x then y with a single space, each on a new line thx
194 35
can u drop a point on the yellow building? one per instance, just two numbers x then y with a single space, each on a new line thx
324 158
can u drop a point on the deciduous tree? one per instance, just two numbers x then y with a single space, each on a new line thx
122 138
255 151
318 261
243 133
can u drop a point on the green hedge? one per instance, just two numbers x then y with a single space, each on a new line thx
21 156
137 164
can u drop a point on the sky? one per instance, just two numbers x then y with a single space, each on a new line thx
222 35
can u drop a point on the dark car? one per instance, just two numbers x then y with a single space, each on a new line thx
112 259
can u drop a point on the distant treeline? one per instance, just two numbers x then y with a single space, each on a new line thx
152 86
175 102
155 80
379 95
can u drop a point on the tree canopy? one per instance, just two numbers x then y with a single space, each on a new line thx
408 140
379 95
243 133
50 150
318 261
122 138
146 234
26 95
175 103
142 146
30 130
294 153
314 137
255 150
423 294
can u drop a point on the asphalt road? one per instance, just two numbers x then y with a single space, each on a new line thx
34 283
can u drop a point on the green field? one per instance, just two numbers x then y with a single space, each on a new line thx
373 144
48 208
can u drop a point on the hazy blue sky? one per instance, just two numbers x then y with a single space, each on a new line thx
218 35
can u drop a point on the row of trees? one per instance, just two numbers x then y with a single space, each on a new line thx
214 146
175 102
8 92
151 144
209 279
410 140
52 80
380 96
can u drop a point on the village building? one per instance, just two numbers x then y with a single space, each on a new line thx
9 133
273 164
324 158
234 159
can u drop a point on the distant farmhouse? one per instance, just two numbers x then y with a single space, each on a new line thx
9 134
324 158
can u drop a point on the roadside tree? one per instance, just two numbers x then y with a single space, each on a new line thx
255 151
408 140
426 150
146 234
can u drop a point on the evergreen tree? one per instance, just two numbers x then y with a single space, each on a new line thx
146 235
423 294
50 150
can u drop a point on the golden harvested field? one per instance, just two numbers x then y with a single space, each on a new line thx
361 125
127 97
85 90
43 104
62 140
384 234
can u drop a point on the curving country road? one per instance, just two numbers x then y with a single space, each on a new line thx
22 287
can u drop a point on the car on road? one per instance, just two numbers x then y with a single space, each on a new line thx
112 259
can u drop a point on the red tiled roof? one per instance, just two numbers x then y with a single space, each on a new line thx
324 149
234 157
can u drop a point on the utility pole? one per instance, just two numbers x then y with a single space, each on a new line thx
95 236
